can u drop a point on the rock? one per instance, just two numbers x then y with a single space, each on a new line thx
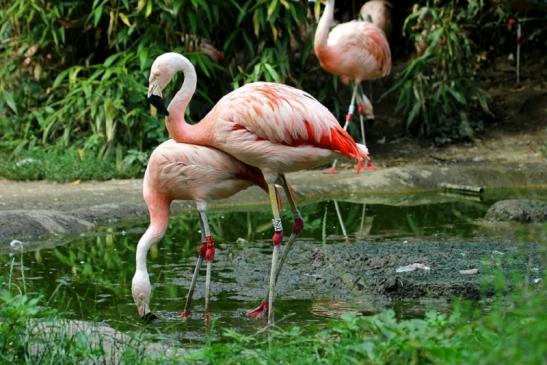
519 210
412 267
469 272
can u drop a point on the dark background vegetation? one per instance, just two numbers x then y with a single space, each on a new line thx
74 74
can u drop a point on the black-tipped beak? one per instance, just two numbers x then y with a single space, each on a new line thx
159 103
149 317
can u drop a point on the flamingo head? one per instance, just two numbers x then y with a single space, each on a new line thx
511 22
163 69
141 289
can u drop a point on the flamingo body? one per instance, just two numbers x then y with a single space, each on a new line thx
178 171
354 50
277 128
357 51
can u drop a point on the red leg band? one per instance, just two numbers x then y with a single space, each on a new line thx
277 238
298 225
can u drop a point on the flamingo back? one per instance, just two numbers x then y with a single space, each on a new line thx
180 171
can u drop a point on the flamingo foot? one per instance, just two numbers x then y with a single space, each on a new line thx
332 170
366 165
259 312
185 314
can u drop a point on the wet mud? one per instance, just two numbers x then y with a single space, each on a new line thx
365 276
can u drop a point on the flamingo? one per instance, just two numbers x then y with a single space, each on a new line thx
179 171
274 127
355 51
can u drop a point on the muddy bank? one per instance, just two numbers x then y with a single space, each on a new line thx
367 276
36 209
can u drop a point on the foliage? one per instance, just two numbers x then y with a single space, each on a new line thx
76 72
71 164
467 336
438 92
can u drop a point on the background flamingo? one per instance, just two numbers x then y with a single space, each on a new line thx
178 171
274 127
355 51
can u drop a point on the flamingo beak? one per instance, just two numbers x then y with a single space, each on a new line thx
149 317
155 97
145 313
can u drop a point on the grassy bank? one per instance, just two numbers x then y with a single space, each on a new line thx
511 330
65 165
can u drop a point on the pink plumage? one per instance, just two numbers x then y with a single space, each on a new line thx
356 50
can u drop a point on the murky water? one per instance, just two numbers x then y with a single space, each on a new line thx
90 277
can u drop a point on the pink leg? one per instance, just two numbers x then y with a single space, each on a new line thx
349 117
298 225
364 109
209 257
201 254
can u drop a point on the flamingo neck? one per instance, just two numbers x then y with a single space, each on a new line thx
322 31
142 251
176 125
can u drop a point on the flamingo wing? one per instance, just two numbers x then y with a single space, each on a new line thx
285 115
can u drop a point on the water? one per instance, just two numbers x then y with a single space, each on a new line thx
89 278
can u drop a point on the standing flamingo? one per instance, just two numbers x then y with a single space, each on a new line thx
178 171
355 51
274 127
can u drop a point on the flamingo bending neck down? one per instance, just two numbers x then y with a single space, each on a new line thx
179 171
355 51
273 127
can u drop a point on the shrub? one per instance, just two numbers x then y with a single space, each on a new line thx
438 93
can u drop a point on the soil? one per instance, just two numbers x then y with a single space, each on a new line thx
510 153
364 275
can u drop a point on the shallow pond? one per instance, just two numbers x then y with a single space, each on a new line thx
89 277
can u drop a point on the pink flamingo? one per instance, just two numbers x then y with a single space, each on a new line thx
178 171
355 51
274 127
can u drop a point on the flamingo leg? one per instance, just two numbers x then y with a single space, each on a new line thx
259 311
200 254
296 228
276 240
366 112
519 40
349 117
209 256
341 220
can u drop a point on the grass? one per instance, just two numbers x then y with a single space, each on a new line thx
510 331
54 164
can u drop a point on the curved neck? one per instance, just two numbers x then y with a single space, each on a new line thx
176 125
146 241
322 31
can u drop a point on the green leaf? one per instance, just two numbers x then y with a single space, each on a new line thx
8 98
